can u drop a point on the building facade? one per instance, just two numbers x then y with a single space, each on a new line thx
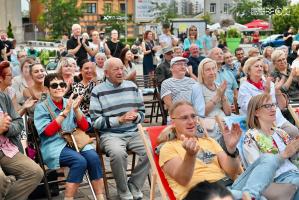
218 9
94 14
11 11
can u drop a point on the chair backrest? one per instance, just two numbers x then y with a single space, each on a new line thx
153 133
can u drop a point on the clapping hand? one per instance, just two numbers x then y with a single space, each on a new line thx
77 102
29 103
79 41
291 149
5 121
232 137
128 116
268 85
221 89
190 145
279 83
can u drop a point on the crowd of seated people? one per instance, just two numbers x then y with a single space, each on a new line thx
95 92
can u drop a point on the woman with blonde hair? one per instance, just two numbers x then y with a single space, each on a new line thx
66 68
255 85
212 94
192 38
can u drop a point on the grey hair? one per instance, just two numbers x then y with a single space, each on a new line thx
75 25
106 64
101 55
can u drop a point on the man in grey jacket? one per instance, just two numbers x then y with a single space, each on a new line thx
26 172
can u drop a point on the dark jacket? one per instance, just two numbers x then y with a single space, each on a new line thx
162 72
16 127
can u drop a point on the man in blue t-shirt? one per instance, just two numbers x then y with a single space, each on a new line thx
207 41
194 60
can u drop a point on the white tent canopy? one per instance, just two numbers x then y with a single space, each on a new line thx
218 26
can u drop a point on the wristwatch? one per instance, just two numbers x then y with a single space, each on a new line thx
233 155
62 115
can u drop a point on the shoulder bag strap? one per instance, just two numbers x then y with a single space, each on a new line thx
115 49
32 94
49 109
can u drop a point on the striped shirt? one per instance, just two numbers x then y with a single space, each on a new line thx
108 102
179 89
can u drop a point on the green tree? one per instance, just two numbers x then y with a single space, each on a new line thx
207 17
243 11
9 31
115 21
165 12
274 3
288 16
59 15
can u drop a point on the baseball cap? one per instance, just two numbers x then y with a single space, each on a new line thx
177 59
167 49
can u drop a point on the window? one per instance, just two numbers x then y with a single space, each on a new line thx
91 7
107 7
226 8
213 8
122 7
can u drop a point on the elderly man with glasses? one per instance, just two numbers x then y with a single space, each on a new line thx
178 87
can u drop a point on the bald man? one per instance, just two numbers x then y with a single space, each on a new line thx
116 107
223 74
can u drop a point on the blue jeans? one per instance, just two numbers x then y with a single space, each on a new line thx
79 162
289 177
256 177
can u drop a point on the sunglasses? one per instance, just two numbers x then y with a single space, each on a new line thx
61 85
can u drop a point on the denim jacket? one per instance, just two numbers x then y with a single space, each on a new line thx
52 146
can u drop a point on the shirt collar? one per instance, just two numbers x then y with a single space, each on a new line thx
112 84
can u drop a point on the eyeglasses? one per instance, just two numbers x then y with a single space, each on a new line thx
180 64
268 106
185 118
193 29
61 84
281 60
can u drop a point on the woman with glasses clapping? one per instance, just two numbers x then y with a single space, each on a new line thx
56 114
264 138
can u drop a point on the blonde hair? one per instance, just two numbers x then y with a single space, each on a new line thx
201 66
251 51
250 62
276 54
64 62
254 104
266 49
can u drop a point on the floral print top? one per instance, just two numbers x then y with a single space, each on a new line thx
79 89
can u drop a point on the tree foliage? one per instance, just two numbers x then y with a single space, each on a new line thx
242 11
59 15
207 17
9 31
164 13
274 3
115 21
289 16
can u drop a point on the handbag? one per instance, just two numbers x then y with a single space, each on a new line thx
80 137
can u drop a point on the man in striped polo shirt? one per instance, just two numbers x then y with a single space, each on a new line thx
116 107
178 87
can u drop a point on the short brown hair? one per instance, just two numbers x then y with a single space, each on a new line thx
254 104
3 65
